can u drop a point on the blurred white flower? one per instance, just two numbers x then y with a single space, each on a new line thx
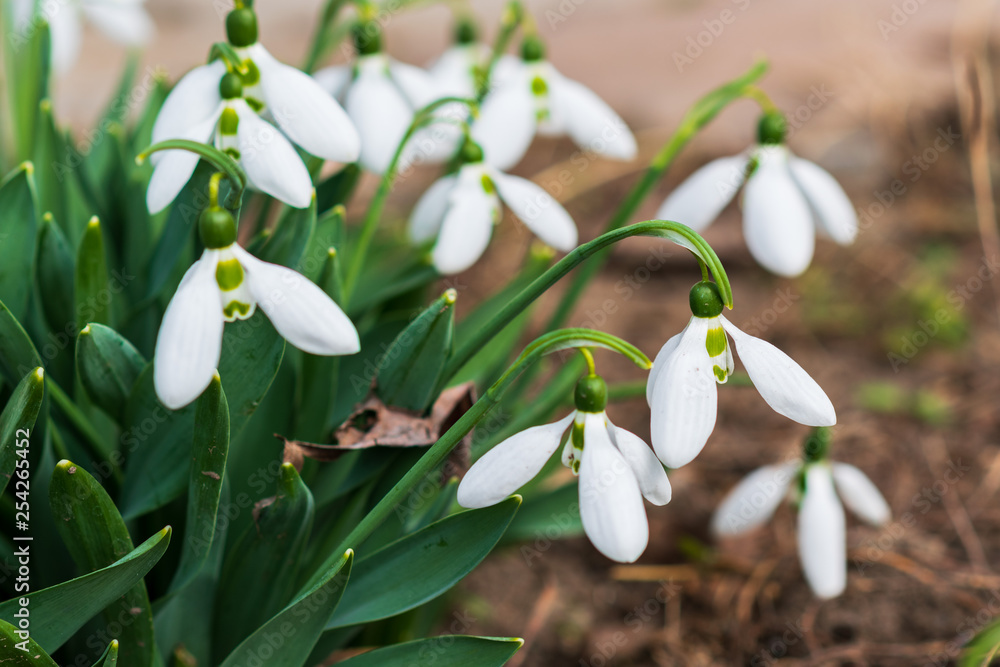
461 209
785 201
233 111
821 530
681 389
225 285
535 97
616 469
124 21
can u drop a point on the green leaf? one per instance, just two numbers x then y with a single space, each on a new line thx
441 651
551 515
419 567
96 537
288 241
338 188
18 232
289 637
110 656
177 231
18 356
108 366
251 356
208 467
328 235
413 363
273 543
58 612
983 649
56 271
19 414
20 650
27 56
53 171
93 285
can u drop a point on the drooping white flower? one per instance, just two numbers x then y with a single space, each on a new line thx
461 209
821 531
124 21
537 98
227 284
235 113
615 467
681 389
785 201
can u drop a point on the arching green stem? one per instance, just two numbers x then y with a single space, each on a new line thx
511 19
223 163
226 53
554 341
672 231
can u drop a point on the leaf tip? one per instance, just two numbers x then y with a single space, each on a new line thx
94 224
27 167
450 296
39 374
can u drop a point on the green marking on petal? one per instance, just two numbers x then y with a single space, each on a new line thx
576 466
255 104
252 77
488 186
576 436
229 275
539 87
229 123
720 373
236 309
715 342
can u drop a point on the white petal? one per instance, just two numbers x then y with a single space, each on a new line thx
417 85
174 169
453 72
860 494
536 208
684 400
753 501
304 111
193 99
271 163
506 123
660 362
786 387
833 210
610 502
777 222
510 465
125 23
648 470
589 121
381 114
700 199
822 538
301 312
334 80
66 34
467 226
428 214
189 343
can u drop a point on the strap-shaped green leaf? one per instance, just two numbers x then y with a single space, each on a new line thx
53 170
110 656
210 447
442 651
20 650
18 231
96 536
108 366
291 234
422 566
289 637
338 188
273 543
555 512
56 270
58 612
93 286
26 59
18 355
19 415
417 356
251 355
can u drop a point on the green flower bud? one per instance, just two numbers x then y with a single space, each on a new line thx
591 394
471 152
771 129
466 31
367 37
241 27
816 448
705 299
532 49
231 86
216 228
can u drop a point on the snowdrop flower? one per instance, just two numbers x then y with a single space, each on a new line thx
461 209
616 470
228 284
537 98
381 96
456 72
785 201
681 390
232 110
821 531
124 21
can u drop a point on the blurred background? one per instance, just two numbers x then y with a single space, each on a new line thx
895 98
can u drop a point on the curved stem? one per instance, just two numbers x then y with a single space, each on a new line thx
673 231
513 14
374 215
589 358
699 115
